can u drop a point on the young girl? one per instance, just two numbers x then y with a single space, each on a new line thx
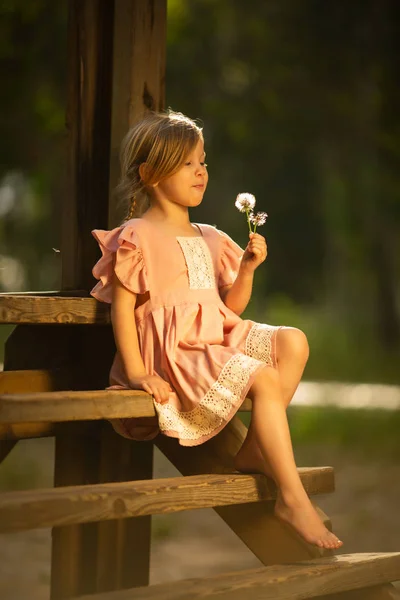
176 290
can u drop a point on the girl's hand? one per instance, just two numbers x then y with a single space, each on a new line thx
154 385
255 253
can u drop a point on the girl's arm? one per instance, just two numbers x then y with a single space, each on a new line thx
126 339
125 332
237 296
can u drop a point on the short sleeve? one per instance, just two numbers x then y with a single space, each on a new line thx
122 255
229 260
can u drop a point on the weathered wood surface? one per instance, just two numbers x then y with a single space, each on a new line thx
20 309
72 405
267 537
88 122
82 504
123 545
377 592
73 556
308 579
35 380
140 32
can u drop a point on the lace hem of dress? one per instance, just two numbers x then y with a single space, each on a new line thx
259 343
217 404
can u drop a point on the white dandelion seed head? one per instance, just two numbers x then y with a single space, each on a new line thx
245 202
259 218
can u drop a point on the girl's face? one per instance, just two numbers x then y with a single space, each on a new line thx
187 186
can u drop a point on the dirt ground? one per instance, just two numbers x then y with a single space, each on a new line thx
363 509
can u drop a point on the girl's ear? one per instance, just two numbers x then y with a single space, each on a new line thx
143 173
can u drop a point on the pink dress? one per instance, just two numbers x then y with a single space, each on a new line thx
187 335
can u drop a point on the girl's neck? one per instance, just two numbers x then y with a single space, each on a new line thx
174 219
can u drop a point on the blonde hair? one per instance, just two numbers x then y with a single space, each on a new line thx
162 140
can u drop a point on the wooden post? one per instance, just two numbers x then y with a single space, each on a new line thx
140 29
116 73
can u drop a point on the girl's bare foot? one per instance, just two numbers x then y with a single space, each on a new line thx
302 516
296 511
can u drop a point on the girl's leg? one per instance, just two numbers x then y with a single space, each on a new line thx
271 431
291 355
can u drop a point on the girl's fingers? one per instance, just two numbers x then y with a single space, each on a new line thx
147 388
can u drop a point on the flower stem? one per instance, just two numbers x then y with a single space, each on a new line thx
248 220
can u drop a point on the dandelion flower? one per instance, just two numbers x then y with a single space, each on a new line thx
258 219
245 202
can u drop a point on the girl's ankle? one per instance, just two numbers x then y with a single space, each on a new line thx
292 498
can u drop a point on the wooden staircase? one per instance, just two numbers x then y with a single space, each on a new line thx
101 506
57 362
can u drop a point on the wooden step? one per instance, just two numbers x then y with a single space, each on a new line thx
61 506
46 309
44 407
308 579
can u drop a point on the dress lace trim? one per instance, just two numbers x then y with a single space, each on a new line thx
259 343
199 263
217 404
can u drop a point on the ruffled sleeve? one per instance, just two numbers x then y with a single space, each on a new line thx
229 260
122 255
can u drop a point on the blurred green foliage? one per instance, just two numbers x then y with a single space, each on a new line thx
360 432
299 102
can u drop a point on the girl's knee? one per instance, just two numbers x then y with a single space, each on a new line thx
292 343
266 378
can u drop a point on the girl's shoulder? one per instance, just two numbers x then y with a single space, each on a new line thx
136 223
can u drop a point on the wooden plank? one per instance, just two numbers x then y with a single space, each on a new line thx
32 509
35 380
46 293
75 406
19 309
308 579
377 592
71 405
267 537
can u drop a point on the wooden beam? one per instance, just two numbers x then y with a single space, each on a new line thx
140 31
88 121
123 545
20 309
308 579
267 537
73 556
34 509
